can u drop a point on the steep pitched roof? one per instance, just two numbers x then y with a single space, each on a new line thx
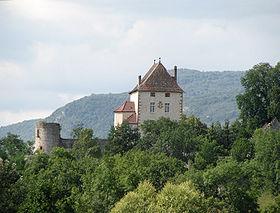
127 106
157 79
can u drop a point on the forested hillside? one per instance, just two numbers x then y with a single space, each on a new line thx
208 95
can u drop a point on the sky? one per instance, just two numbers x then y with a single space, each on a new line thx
55 51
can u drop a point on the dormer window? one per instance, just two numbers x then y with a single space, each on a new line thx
153 94
167 94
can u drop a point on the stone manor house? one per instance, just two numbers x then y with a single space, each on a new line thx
156 95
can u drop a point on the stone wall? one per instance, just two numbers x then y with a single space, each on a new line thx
66 143
175 106
47 136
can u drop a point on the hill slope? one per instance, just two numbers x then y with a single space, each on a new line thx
208 95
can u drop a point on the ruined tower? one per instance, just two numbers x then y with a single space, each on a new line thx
47 136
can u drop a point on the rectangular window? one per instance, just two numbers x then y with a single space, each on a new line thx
152 94
152 107
167 94
166 107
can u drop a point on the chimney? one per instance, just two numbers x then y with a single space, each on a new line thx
139 79
175 73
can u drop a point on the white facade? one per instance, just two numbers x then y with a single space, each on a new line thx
168 107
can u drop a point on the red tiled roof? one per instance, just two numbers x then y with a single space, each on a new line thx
127 106
132 119
157 79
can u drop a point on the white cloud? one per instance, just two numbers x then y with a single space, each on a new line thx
209 44
44 54
9 117
69 17
46 10
10 70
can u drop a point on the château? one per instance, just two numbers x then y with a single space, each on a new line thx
156 95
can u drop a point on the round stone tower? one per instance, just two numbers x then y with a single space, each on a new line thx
47 136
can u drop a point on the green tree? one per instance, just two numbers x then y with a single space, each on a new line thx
223 135
120 174
13 155
242 150
241 130
48 182
14 150
274 92
260 102
137 166
193 124
8 177
121 139
182 198
101 188
172 198
176 139
267 157
229 181
151 131
85 144
274 207
137 201
207 155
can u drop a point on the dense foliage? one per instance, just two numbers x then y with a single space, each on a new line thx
175 166
182 197
260 102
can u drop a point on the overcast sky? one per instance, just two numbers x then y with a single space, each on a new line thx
55 51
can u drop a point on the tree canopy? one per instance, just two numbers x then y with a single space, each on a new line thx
260 102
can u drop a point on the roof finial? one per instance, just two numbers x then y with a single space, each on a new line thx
159 59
